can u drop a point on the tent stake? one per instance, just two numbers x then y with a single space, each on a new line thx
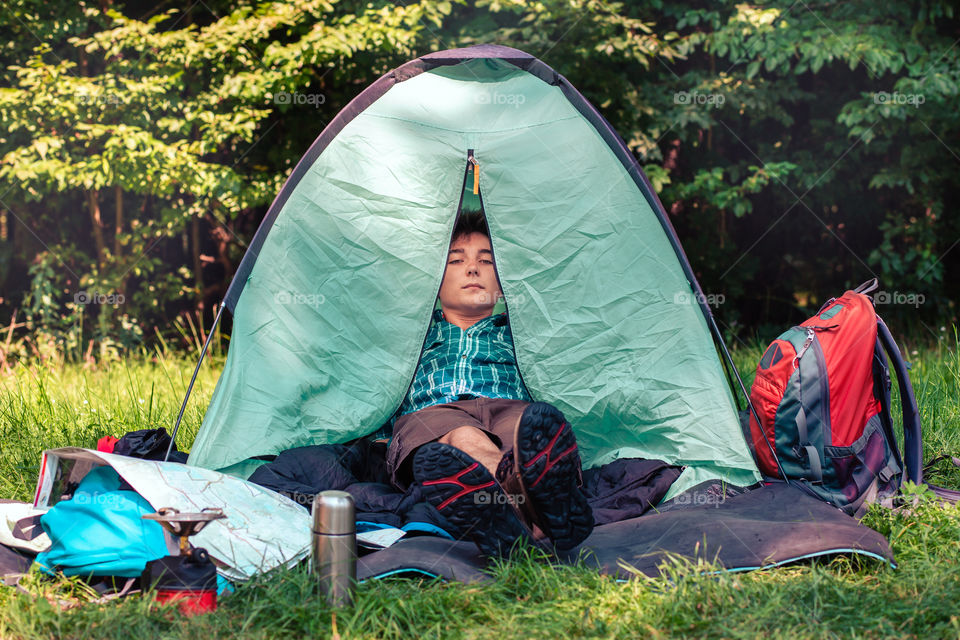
196 370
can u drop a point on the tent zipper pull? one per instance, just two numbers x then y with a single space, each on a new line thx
476 171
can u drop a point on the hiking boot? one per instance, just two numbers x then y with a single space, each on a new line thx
544 466
465 493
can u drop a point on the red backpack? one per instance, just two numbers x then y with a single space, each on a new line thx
821 406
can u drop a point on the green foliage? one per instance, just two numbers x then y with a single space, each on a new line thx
851 98
134 131
710 190
799 148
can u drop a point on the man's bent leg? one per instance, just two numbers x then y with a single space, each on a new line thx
478 445
475 443
413 430
468 497
545 463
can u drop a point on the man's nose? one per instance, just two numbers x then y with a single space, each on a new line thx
473 267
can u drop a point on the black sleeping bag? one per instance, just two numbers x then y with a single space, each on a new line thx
620 490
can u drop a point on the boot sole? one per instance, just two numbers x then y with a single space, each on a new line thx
547 459
468 496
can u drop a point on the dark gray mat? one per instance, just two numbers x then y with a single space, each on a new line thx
13 561
425 556
768 526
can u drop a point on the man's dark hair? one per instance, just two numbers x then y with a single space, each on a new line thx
470 222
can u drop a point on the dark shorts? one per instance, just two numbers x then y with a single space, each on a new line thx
496 416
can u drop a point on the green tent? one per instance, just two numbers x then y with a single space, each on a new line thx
333 299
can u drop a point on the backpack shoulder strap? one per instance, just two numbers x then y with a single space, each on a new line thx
912 438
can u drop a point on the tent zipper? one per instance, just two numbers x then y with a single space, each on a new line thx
423 344
472 160
475 164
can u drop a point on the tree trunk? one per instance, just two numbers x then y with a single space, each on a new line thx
118 226
197 263
117 232
93 203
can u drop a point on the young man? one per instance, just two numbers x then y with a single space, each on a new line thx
497 466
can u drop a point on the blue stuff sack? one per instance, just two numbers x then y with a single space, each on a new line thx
99 531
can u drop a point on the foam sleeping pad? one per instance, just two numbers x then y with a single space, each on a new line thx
769 526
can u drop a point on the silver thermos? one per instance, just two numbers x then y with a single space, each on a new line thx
334 560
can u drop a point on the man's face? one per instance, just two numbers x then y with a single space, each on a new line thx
470 284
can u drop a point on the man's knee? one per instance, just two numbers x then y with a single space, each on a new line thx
467 436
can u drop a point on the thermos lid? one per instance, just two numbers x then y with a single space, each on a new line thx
333 513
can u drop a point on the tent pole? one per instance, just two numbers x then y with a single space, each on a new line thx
196 370
726 354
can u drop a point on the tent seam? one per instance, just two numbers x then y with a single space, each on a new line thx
576 116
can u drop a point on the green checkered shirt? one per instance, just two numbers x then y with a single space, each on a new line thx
461 364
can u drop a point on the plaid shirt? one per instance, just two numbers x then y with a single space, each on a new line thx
461 364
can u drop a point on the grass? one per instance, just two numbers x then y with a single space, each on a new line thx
530 598
48 407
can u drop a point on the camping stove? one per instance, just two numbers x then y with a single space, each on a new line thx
190 578
184 525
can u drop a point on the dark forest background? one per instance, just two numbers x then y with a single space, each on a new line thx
800 148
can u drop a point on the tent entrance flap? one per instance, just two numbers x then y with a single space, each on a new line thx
470 201
331 317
